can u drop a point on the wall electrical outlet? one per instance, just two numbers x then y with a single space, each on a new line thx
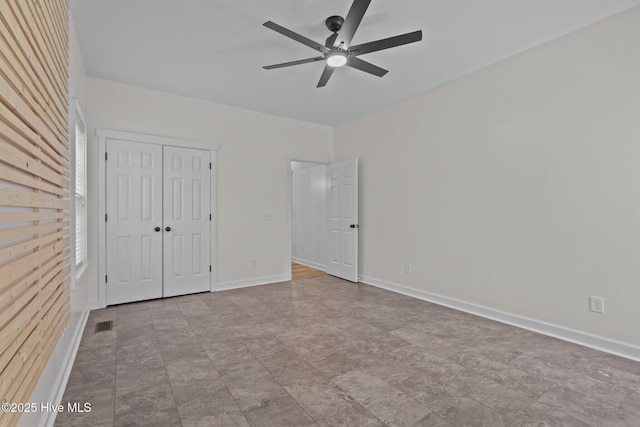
407 268
596 304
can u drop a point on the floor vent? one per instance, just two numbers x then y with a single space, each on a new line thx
104 326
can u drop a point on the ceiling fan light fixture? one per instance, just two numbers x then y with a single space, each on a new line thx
336 59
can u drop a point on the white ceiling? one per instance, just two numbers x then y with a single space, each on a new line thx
215 49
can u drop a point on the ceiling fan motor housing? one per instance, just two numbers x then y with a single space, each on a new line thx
334 23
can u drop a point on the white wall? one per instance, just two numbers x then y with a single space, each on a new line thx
516 187
251 169
309 216
51 384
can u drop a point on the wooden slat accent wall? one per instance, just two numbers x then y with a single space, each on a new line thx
34 197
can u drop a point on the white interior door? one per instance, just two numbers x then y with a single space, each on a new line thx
134 213
342 211
187 221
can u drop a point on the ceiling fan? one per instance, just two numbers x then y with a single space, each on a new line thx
337 50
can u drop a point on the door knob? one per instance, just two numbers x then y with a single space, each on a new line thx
167 229
354 226
157 229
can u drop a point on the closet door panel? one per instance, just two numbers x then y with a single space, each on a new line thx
134 210
187 223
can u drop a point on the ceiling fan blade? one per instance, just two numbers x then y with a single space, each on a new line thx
365 66
387 43
289 64
352 22
326 74
295 36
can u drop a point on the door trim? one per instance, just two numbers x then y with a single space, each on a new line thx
103 135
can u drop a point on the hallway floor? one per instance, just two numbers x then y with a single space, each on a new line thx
299 271
326 352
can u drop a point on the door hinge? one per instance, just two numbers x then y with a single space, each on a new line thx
209 269
106 278
105 156
209 217
105 217
209 165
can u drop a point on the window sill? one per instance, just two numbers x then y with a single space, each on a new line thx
80 271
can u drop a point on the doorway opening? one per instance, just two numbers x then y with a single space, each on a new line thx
308 212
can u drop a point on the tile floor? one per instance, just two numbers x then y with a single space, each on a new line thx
324 352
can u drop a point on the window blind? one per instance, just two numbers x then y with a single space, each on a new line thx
80 185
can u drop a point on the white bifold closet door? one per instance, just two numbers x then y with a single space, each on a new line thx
158 221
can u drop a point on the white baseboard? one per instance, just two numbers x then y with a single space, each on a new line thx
60 384
596 342
308 263
237 284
